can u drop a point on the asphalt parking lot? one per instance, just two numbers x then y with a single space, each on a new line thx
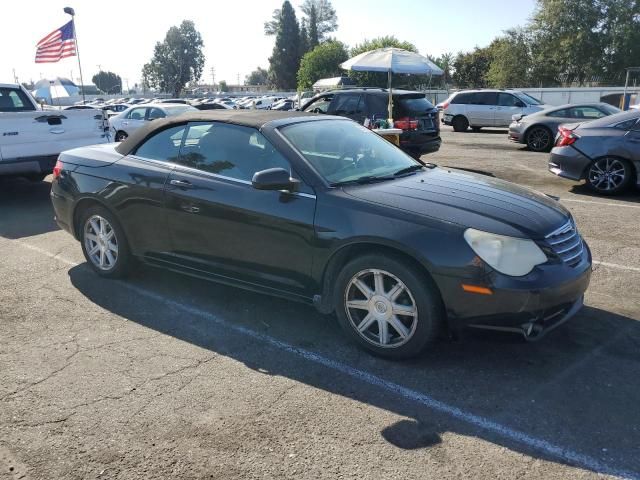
163 376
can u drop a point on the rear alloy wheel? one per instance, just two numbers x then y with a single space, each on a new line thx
609 176
121 136
104 244
387 307
539 139
460 124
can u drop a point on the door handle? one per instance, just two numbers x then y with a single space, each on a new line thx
181 183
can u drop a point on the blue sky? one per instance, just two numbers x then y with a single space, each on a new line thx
119 35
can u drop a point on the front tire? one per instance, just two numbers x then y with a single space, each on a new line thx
540 139
460 124
609 175
104 243
388 306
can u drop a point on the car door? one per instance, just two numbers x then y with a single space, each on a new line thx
508 105
481 109
134 119
221 225
350 105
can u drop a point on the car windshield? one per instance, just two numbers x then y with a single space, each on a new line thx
610 109
343 151
528 99
177 110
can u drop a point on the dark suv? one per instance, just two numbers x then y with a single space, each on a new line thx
412 113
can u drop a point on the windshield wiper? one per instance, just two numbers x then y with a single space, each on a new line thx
362 180
409 169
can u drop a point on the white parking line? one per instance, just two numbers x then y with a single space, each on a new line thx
605 204
615 265
565 454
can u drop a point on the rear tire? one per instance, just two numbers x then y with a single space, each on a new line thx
388 306
460 124
609 175
539 139
104 243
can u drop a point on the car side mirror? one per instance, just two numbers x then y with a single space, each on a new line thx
274 179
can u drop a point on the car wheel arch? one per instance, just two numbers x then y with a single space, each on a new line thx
82 205
349 251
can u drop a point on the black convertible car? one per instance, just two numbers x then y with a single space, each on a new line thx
319 209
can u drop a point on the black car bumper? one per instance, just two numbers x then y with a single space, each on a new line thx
62 207
420 143
530 305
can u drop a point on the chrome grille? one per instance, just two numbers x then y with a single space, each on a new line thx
566 243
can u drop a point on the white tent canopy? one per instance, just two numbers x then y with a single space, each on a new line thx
392 60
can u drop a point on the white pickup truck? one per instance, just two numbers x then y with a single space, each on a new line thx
32 138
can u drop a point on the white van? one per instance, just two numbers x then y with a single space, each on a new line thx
487 108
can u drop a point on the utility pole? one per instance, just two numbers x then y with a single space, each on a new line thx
15 78
213 77
71 11
238 78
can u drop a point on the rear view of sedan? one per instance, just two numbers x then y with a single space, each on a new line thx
538 130
319 209
604 152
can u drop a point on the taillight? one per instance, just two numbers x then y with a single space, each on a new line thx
445 105
566 138
406 123
57 169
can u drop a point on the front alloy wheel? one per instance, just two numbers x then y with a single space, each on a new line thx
388 305
609 176
101 243
381 308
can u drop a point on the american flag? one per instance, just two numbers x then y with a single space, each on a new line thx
59 44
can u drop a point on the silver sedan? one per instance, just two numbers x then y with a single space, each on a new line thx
538 130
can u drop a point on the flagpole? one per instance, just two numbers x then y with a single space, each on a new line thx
70 11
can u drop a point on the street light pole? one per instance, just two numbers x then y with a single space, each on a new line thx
71 11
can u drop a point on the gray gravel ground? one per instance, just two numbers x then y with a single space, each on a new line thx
163 376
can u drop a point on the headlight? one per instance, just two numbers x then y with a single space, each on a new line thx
508 255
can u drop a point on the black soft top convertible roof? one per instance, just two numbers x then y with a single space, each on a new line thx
248 118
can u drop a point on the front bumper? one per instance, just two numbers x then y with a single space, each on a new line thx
531 305
446 118
568 162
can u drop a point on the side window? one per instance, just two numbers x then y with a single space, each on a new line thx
230 150
164 145
588 113
378 106
155 113
564 113
508 100
137 114
347 105
14 100
633 124
484 98
321 105
461 99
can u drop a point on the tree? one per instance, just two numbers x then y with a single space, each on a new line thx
445 62
510 60
177 60
304 37
322 19
108 82
222 86
258 77
285 59
321 62
471 68
314 35
377 79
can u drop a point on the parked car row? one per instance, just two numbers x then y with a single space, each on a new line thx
595 142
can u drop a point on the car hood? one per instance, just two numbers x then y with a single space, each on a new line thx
469 200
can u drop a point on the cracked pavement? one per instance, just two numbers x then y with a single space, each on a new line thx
98 381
